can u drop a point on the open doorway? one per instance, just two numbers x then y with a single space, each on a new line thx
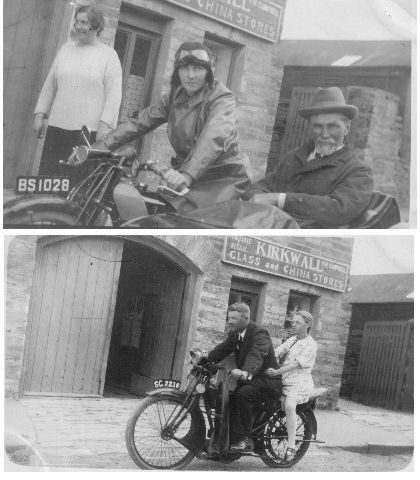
145 333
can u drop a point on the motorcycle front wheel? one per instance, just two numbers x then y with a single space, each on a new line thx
273 440
149 444
39 218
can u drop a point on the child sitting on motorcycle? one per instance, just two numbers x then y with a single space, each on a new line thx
201 116
299 353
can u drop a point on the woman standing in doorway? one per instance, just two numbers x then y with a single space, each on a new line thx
83 87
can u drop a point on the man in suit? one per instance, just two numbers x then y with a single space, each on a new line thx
322 184
254 353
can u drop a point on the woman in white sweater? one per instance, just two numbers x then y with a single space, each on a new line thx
83 87
297 355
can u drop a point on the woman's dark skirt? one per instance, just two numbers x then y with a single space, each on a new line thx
58 145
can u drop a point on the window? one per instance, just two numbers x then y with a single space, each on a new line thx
227 56
137 51
137 43
246 291
299 301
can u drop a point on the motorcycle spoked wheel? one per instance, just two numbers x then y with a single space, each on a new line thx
273 440
145 441
41 217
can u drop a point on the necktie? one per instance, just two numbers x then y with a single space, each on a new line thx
238 344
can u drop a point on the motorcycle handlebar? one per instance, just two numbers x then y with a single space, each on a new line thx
209 367
85 153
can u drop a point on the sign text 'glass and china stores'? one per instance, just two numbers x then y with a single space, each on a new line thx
286 262
258 17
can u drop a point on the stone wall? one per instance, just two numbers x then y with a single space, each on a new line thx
332 315
377 136
19 277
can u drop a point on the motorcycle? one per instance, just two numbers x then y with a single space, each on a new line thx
108 197
111 196
173 426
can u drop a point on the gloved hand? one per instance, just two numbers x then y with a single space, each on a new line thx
176 180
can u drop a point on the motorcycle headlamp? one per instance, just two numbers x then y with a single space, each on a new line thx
200 388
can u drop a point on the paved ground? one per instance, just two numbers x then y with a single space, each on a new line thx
89 433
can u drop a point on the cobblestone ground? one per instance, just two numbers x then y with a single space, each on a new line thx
327 461
90 434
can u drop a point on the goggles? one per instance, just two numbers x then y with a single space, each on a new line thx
198 54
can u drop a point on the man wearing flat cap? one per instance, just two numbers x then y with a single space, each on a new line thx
321 184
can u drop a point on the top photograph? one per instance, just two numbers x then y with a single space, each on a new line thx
203 114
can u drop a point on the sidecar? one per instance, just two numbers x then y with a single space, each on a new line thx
231 214
382 212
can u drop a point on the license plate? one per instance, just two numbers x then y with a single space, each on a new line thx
36 184
167 384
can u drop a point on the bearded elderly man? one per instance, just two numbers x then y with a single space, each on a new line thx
322 184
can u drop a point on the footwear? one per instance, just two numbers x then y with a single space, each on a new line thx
244 445
290 454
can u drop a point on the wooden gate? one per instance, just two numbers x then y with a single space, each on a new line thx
296 131
71 314
385 373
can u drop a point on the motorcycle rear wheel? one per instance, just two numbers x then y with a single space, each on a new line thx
273 442
39 218
145 439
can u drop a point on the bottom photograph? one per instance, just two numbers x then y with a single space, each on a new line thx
209 353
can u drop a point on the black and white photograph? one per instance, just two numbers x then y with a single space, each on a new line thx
274 114
228 345
209 353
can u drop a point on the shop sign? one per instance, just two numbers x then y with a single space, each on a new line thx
286 262
258 17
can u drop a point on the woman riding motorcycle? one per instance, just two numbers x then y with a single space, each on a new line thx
201 116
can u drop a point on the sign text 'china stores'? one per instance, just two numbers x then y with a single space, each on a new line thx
287 262
258 17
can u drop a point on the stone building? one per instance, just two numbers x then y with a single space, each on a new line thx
90 314
146 34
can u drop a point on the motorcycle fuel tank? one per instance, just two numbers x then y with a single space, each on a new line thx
130 204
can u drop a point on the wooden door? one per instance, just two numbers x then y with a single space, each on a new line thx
73 302
385 373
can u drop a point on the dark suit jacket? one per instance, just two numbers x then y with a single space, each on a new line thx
255 356
323 193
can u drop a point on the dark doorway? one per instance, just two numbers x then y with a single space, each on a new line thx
145 331
137 43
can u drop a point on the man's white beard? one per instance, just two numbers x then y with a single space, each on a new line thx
324 148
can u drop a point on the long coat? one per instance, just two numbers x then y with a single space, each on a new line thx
255 355
202 131
326 192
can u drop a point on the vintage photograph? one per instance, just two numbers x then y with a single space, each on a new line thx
209 353
272 114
